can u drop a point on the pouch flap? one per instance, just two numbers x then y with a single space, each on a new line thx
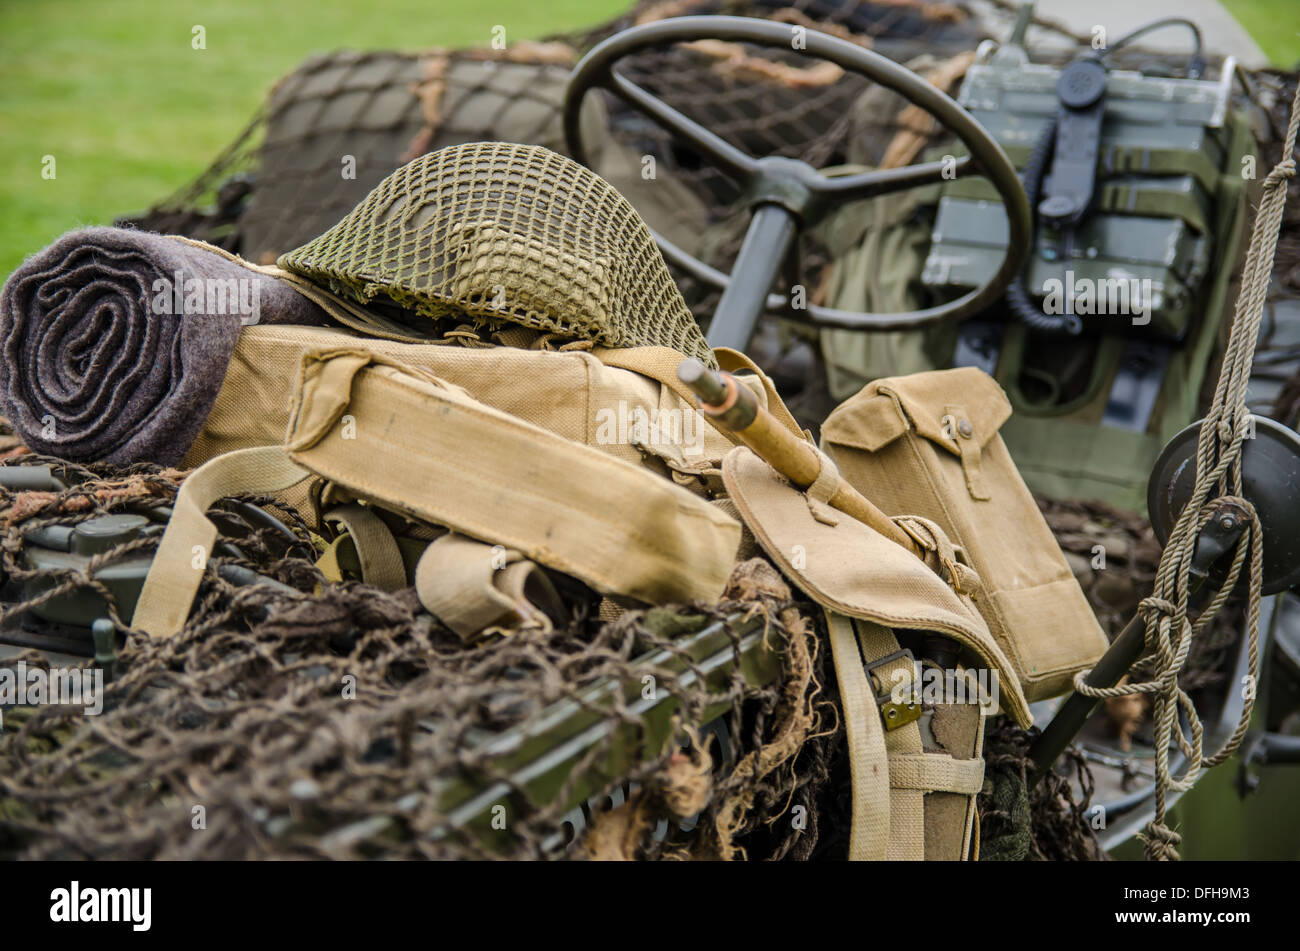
850 568
324 389
949 407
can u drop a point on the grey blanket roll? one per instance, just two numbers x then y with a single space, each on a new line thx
116 342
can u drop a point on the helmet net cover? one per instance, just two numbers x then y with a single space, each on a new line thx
506 233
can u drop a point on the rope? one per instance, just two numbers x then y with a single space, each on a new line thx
1169 632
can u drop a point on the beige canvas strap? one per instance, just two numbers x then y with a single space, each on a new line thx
658 363
471 586
936 772
376 548
661 363
869 835
177 568
733 361
971 847
891 771
906 803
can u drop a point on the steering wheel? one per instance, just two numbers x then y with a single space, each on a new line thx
787 195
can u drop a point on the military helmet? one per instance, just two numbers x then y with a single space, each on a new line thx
512 233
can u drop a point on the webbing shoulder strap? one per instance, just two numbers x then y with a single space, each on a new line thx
869 835
177 569
661 363
891 770
377 552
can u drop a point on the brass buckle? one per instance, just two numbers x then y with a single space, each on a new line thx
893 713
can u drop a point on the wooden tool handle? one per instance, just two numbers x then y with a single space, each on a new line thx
733 408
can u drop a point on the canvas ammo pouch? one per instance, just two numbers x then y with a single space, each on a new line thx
916 767
928 444
398 438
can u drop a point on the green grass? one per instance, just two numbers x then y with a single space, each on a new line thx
130 111
1275 26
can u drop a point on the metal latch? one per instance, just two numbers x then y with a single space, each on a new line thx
893 713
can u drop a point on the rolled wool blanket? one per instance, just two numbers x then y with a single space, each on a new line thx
116 342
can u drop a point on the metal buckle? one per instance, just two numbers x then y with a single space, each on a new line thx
895 714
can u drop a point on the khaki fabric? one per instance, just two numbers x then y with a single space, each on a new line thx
847 567
473 587
402 439
173 579
377 553
928 445
913 787
868 764
415 444
569 393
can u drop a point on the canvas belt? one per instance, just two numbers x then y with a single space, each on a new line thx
661 363
891 770
471 586
377 551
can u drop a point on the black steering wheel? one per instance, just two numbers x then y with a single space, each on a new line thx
787 195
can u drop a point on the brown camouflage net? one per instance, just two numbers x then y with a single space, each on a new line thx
1045 822
331 720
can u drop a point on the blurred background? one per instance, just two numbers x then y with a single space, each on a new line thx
131 111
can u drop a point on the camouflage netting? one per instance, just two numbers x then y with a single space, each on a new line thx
244 714
1045 822
339 721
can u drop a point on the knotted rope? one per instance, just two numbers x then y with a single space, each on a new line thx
1169 631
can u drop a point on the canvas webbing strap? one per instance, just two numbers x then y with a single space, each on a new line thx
906 804
869 835
177 569
733 361
376 548
661 363
936 772
471 586
891 770
971 848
